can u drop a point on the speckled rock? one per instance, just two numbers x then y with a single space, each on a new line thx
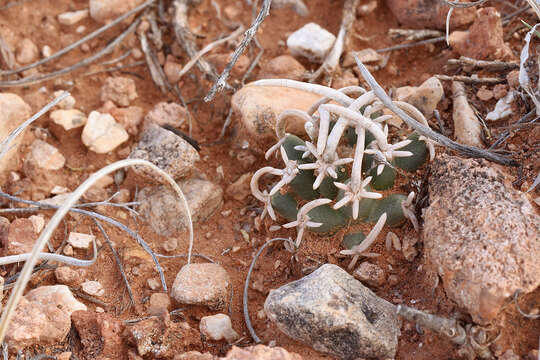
166 150
165 113
424 97
46 156
335 314
14 112
260 106
260 352
484 40
120 90
370 274
481 235
428 14
68 119
42 317
312 42
164 211
202 284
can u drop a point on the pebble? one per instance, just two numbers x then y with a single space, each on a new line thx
513 79
428 14
66 355
166 150
240 189
503 108
172 69
80 241
484 40
102 133
335 314
92 288
42 317
129 117
282 67
408 249
68 250
158 303
46 51
365 9
14 112
80 29
67 103
160 338
467 128
170 244
72 17
500 91
202 284
164 211
69 119
484 94
424 97
475 215
26 52
260 352
218 327
312 42
165 113
18 237
297 6
153 284
38 222
260 106
370 274
101 335
68 276
104 10
46 156
120 90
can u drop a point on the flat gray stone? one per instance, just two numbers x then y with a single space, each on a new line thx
335 314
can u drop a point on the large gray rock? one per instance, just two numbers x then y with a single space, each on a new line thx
166 150
164 211
335 314
481 235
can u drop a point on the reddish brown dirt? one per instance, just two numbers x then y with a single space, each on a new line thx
405 67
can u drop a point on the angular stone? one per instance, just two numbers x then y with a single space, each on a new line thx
165 113
93 288
166 150
72 17
42 317
120 90
481 235
67 103
20 238
68 276
260 352
335 314
129 117
80 241
161 338
218 327
46 156
260 106
240 189
311 41
485 38
164 211
26 52
282 67
424 97
102 133
69 119
14 112
202 284
370 274
158 303
101 335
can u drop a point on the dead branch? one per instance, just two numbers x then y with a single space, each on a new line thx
468 151
414 35
470 79
332 59
485 65
410 45
248 36
156 72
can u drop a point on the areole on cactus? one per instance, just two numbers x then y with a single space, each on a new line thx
319 190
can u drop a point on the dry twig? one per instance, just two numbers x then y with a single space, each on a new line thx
470 79
484 65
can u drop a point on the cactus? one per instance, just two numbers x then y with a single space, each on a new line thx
319 191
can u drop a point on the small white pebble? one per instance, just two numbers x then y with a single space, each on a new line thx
99 309
68 250
57 190
93 288
46 51
80 241
80 29
153 284
38 222
219 171
274 228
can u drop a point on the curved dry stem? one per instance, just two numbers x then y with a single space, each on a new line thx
280 128
333 94
57 217
347 90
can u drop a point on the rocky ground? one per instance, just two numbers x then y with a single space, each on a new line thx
473 260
